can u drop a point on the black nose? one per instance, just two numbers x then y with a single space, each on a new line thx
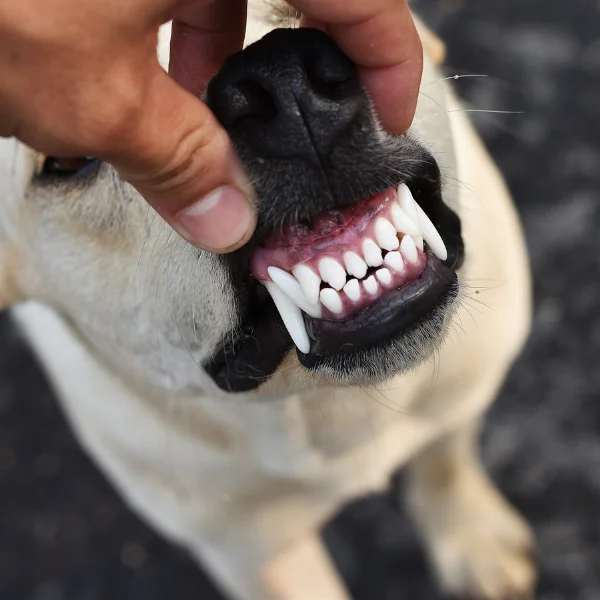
294 94
304 128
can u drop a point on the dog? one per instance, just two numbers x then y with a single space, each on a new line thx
237 402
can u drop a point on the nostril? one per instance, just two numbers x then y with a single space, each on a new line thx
250 100
334 81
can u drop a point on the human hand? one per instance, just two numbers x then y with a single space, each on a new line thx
82 79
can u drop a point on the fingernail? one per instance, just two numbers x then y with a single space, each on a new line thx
221 221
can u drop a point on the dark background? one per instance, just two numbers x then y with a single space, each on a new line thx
64 535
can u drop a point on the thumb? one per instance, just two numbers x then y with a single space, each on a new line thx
181 160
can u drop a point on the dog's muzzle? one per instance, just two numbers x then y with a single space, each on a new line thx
354 244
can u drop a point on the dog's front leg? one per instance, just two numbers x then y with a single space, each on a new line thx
478 545
302 572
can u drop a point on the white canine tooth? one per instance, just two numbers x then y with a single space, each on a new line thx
409 249
355 265
402 222
371 285
372 253
291 315
331 299
310 282
431 235
332 273
352 290
408 204
384 276
290 286
394 261
386 234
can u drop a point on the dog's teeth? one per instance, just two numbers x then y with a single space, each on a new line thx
371 285
372 253
402 222
332 273
394 261
384 276
408 249
352 290
331 300
355 265
386 234
291 315
431 235
408 204
289 285
310 282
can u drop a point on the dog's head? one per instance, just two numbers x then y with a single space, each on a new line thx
353 261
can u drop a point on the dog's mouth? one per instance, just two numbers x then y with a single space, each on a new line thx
342 280
377 275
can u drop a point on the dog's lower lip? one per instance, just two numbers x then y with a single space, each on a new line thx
388 318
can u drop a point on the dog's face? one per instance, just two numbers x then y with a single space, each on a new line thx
353 261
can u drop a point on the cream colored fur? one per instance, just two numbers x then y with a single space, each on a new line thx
244 483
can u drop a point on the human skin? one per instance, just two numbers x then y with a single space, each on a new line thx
81 78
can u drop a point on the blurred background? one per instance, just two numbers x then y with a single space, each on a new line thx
65 535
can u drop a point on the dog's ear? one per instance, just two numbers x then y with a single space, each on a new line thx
17 164
432 44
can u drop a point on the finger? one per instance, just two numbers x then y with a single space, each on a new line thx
381 38
203 36
181 160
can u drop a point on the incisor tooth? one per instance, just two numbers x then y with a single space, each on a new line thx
290 286
355 265
409 250
331 300
431 235
372 253
394 261
332 272
386 234
371 285
310 282
402 222
384 276
352 290
291 315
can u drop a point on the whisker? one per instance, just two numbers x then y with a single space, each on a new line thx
470 110
398 409
489 111
436 103
455 77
